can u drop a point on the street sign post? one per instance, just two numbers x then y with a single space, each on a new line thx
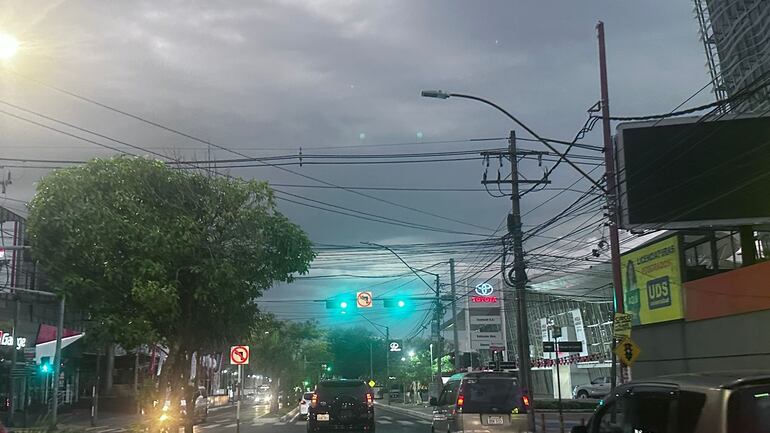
395 346
562 346
621 325
570 346
628 351
239 355
364 300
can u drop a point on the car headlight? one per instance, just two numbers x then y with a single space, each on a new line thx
164 417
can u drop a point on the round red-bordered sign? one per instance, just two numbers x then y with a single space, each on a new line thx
239 355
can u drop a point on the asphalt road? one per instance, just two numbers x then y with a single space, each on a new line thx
255 420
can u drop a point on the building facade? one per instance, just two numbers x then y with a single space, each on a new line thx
736 37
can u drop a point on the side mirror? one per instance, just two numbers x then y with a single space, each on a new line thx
434 402
579 429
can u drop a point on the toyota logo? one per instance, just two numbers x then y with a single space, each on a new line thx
484 289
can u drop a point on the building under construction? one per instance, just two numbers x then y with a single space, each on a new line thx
736 37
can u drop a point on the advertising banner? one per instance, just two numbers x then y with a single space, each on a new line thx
652 287
580 331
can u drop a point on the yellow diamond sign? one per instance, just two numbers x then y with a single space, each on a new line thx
372 383
627 351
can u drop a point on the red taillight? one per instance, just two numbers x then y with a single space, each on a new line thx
525 399
369 399
460 401
314 400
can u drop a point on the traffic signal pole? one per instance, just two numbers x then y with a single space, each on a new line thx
57 365
437 333
612 199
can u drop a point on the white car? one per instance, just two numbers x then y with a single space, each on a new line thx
304 404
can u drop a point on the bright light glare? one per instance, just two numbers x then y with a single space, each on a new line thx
9 45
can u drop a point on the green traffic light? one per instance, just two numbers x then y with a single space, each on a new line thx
343 304
328 368
401 303
45 368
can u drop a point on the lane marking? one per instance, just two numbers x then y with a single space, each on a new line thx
405 422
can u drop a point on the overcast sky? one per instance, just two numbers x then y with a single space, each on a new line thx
268 77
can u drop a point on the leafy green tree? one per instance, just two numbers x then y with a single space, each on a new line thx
154 254
279 350
350 350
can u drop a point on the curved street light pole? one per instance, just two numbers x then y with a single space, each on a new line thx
514 227
440 94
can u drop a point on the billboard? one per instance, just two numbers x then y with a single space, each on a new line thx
652 282
685 173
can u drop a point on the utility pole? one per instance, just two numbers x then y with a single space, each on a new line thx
519 267
612 201
371 361
455 332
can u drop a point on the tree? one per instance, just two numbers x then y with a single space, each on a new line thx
280 349
350 349
159 255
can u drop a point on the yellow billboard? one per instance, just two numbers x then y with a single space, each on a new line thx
652 282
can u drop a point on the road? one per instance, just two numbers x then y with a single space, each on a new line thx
256 420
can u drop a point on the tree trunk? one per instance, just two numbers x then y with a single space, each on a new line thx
275 391
110 368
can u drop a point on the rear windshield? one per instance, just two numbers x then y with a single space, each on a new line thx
749 410
307 396
330 390
492 395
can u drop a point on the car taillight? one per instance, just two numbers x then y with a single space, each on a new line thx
460 401
525 400
314 400
369 399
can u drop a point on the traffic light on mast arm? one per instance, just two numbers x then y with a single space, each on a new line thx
340 303
396 302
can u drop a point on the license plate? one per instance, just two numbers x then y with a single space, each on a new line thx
322 417
494 420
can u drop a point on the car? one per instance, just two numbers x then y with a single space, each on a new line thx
710 402
598 388
304 404
263 397
201 406
481 401
341 404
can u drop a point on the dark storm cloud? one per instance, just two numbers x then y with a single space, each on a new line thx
287 74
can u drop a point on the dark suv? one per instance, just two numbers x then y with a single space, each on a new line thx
341 405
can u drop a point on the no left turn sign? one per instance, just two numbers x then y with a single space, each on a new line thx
364 299
239 355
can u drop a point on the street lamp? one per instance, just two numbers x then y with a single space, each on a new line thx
440 94
411 354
